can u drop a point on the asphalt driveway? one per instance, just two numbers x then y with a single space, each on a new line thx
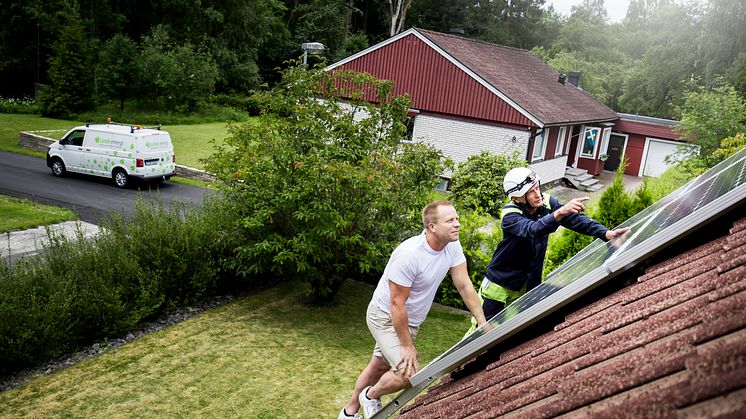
92 198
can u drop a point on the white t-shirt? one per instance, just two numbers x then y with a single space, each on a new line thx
415 265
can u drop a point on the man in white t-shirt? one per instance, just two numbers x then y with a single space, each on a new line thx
402 300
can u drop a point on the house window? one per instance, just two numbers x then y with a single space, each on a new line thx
560 148
591 139
539 144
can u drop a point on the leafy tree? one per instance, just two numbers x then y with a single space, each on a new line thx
709 116
730 146
640 13
614 205
195 77
515 23
175 77
70 70
478 182
117 69
723 37
326 187
736 74
589 11
323 21
157 67
398 15
656 81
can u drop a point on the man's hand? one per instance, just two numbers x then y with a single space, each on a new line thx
575 206
408 366
617 237
486 326
618 233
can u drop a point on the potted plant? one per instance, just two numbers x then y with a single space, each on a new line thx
603 157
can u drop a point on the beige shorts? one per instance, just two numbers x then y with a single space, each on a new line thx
381 327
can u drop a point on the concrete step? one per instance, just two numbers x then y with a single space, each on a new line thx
573 171
594 187
588 182
583 177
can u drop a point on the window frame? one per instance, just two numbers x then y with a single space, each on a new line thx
544 134
596 142
559 148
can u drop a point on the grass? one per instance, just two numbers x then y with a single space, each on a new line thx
195 142
20 214
12 124
191 142
263 356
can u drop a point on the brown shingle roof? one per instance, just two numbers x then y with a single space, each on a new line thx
525 79
668 343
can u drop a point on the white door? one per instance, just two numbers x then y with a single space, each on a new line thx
655 156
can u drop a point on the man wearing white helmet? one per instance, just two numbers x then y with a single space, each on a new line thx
517 263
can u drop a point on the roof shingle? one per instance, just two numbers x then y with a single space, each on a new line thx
670 342
525 79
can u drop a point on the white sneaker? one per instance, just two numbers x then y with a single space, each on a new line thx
344 415
370 406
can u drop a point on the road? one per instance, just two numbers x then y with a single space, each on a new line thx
92 198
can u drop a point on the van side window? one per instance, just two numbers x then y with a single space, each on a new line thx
75 138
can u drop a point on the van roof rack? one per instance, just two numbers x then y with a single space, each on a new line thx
133 127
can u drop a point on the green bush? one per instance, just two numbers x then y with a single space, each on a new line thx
50 306
134 269
478 182
326 187
248 104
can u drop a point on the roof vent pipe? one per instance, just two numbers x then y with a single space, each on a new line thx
573 78
562 78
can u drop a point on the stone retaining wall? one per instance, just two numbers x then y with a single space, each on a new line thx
36 141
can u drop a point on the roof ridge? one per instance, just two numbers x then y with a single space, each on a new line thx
479 41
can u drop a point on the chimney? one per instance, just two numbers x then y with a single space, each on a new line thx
457 31
562 78
573 78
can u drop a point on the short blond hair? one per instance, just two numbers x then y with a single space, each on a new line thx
430 212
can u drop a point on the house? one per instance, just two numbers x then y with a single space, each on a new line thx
470 96
654 327
646 141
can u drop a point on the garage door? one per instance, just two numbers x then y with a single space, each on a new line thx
655 159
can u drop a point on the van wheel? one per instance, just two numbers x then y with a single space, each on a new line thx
58 167
120 178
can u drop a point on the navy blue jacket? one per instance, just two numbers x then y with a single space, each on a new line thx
519 258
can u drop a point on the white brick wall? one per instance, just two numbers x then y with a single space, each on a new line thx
461 139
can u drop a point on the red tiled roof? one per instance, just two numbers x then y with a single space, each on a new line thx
525 79
669 343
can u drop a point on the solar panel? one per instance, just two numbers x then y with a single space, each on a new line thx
718 190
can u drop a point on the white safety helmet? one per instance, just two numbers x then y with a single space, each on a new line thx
519 181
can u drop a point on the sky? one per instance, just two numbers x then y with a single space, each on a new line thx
616 9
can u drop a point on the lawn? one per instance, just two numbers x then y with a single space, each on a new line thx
19 214
191 142
262 356
12 124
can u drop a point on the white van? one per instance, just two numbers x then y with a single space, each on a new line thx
121 152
